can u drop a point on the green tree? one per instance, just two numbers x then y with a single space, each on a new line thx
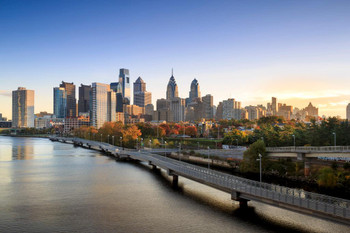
250 156
327 178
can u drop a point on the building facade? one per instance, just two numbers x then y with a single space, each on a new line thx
348 112
22 108
194 91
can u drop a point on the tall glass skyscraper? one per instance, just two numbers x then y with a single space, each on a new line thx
194 91
124 82
71 100
84 99
59 102
171 90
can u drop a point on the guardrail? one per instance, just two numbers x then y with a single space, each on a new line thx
309 149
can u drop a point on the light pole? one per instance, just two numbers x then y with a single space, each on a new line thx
165 148
259 159
179 151
101 137
335 139
293 140
150 144
121 141
113 140
108 138
141 143
208 159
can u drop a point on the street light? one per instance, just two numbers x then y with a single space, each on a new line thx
335 139
237 142
150 144
179 151
294 140
121 141
101 137
259 159
113 140
165 148
208 159
141 143
108 138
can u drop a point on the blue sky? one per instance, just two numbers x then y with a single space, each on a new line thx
298 51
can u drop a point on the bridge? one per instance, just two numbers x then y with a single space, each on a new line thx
240 189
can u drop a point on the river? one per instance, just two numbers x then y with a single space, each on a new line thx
54 187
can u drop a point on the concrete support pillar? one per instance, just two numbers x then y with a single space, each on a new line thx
154 167
307 165
243 203
175 180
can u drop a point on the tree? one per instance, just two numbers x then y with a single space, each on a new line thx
327 178
250 156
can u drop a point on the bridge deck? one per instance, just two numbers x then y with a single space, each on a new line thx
240 188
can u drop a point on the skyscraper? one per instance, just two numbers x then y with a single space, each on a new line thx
172 91
59 102
111 106
194 91
22 108
99 104
274 106
124 82
84 99
141 96
71 100
348 112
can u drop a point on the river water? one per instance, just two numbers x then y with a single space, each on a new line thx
54 187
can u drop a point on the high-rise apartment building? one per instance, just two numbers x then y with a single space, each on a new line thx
172 90
348 112
141 96
71 100
99 104
59 102
22 108
194 91
84 99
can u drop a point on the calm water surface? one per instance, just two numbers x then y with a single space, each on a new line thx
53 187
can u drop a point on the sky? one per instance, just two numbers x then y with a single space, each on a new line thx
297 51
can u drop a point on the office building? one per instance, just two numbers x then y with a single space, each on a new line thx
59 102
141 96
172 90
84 99
124 82
208 106
231 109
274 106
177 107
194 91
22 108
71 100
111 105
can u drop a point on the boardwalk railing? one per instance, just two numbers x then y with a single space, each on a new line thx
310 149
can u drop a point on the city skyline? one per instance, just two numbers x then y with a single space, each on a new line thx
250 52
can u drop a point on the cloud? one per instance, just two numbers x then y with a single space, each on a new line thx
5 93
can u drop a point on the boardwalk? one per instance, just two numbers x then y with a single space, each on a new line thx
240 189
